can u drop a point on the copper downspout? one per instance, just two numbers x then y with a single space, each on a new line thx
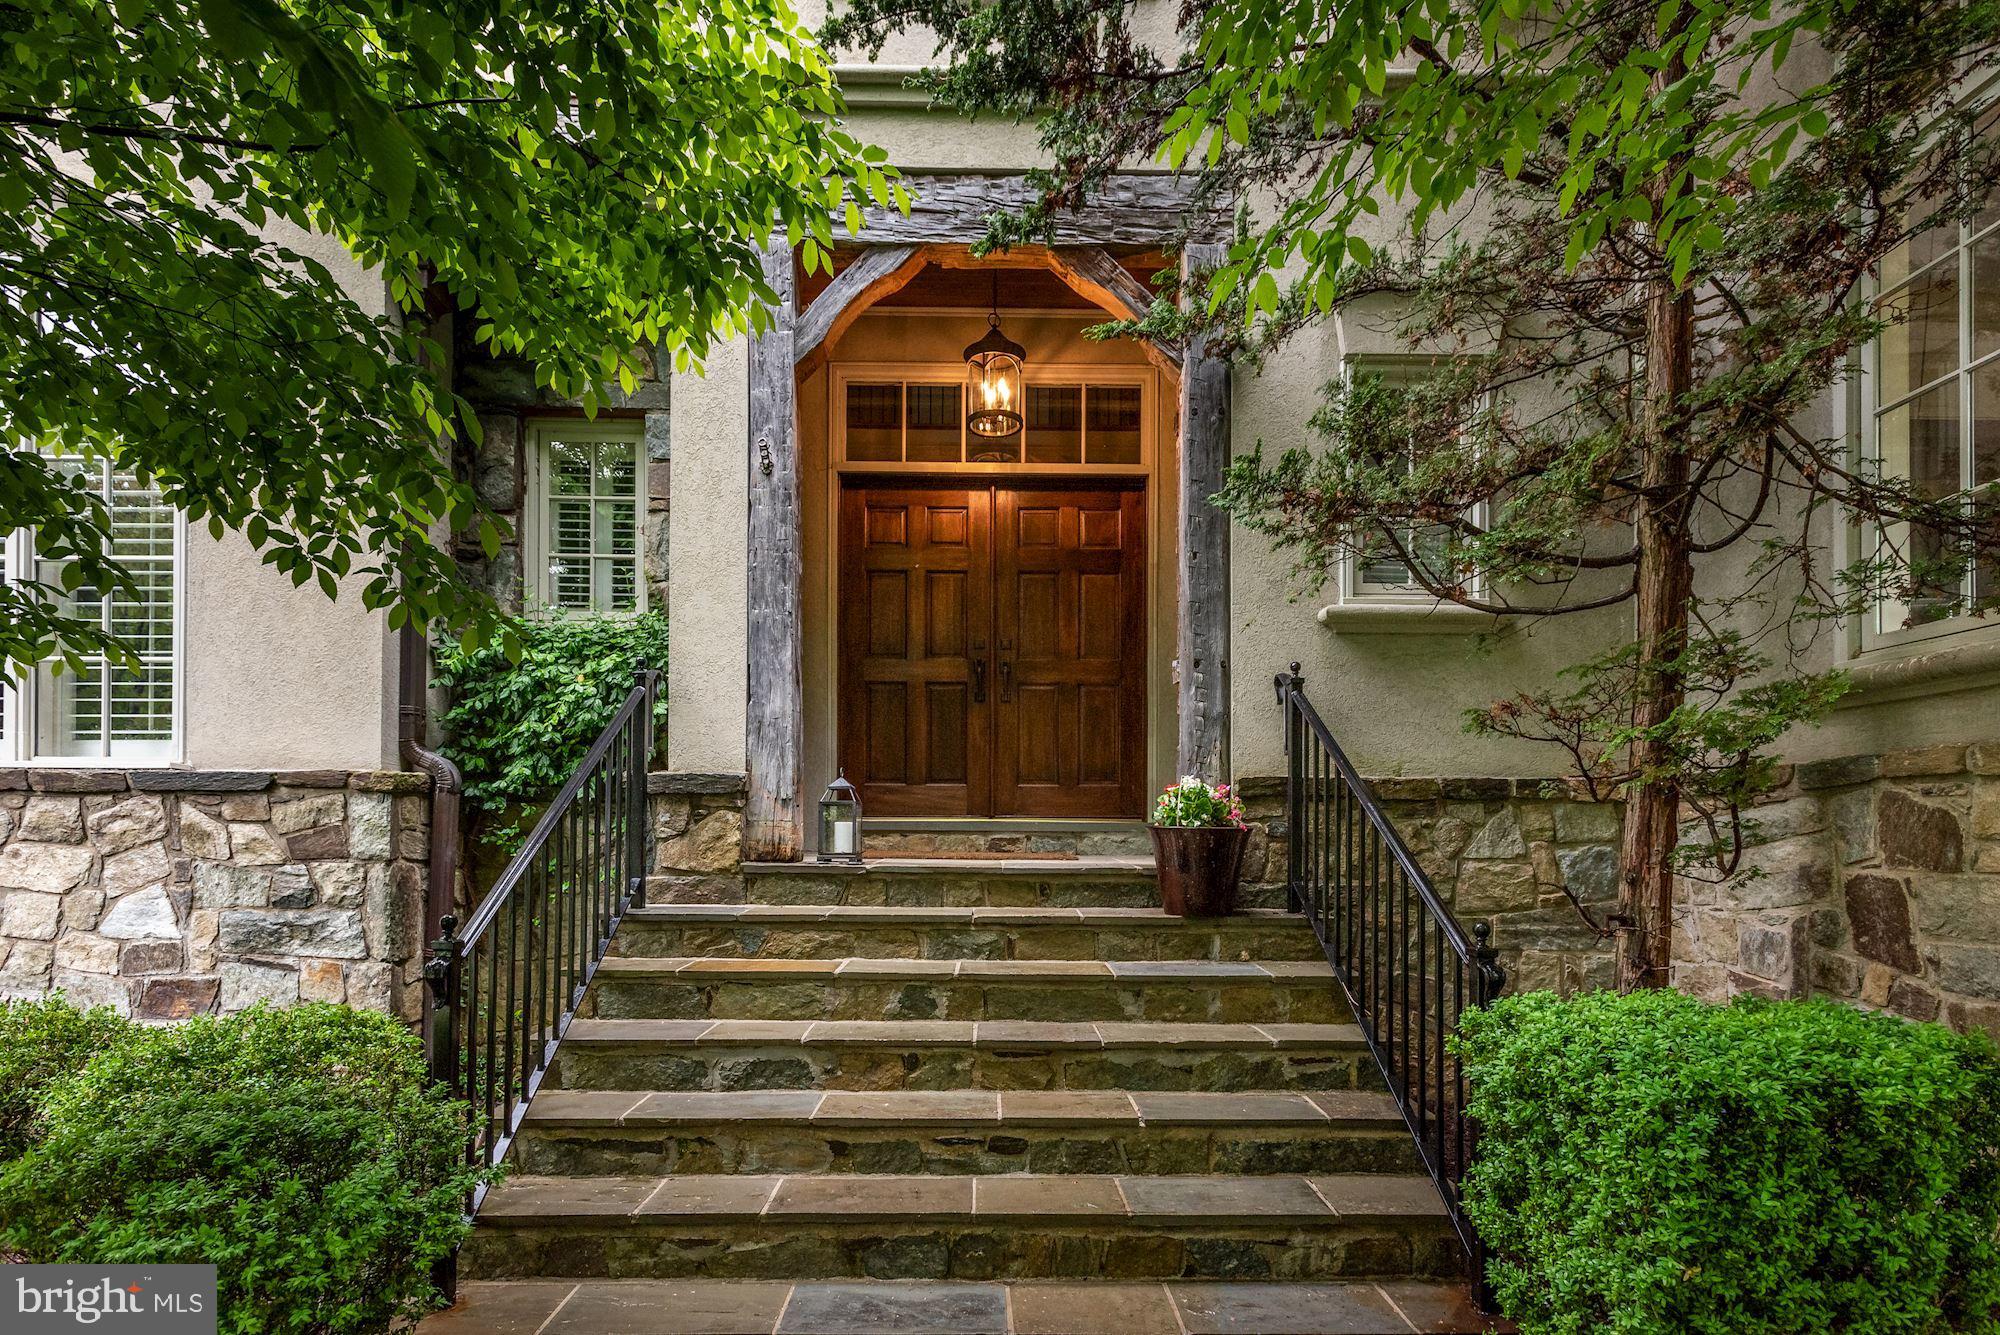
412 721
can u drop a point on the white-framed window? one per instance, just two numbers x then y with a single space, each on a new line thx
586 513
1930 410
912 418
1378 572
111 710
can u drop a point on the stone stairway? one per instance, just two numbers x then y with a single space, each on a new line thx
955 1097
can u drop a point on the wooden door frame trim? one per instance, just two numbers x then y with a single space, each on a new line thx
951 210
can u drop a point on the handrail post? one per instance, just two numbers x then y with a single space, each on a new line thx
638 816
1294 801
441 1041
441 977
1488 978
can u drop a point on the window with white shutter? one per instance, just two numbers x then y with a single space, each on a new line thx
113 709
586 510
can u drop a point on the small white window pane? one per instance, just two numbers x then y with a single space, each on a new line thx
1986 424
1921 440
1921 342
569 468
1985 295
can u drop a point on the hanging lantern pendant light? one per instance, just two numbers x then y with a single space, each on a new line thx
993 379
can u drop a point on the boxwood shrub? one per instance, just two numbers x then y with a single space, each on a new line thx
1651 1163
303 1152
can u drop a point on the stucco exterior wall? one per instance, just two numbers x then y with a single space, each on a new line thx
708 596
278 677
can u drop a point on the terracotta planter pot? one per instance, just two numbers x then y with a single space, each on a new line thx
1198 868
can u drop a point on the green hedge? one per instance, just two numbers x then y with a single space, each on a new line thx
519 728
303 1152
1650 1163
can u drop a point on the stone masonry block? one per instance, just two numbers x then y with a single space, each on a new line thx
1878 916
1918 835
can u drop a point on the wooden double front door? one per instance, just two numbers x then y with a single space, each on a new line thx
992 650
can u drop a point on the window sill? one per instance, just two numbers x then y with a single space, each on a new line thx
1928 667
1387 618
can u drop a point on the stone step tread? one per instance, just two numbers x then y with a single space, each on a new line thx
1036 973
1015 1035
980 1109
1096 867
1202 1201
954 1307
866 915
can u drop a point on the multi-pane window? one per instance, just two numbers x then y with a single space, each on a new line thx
588 504
1076 422
113 708
1933 409
1378 568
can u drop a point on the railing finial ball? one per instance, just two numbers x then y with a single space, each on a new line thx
1295 668
1481 930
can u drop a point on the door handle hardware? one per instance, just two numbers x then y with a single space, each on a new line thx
1006 682
978 681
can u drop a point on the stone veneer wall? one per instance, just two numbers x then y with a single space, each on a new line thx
1879 883
171 893
697 837
1494 848
508 397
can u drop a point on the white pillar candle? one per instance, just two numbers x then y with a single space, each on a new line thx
843 836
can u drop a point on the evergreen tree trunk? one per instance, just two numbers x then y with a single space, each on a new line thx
1665 590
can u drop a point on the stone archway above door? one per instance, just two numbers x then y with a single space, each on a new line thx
949 214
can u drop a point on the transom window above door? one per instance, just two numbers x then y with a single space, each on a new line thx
1087 419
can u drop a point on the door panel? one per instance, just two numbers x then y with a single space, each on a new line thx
1070 637
992 647
915 619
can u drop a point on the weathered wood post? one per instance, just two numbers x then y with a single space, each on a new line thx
1201 651
774 813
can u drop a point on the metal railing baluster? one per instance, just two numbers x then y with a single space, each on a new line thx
1409 970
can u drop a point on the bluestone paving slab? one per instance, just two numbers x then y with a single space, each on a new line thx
1047 1196
1215 1199
896 1309
706 1196
1067 1309
910 1106
1439 1309
1379 1195
1035 1034
1186 970
750 1105
1227 1109
673 1307
1286 1309
566 1197
501 1307
891 1033
584 1107
842 1197
1065 1107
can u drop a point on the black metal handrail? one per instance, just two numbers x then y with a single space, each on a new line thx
1408 969
506 987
